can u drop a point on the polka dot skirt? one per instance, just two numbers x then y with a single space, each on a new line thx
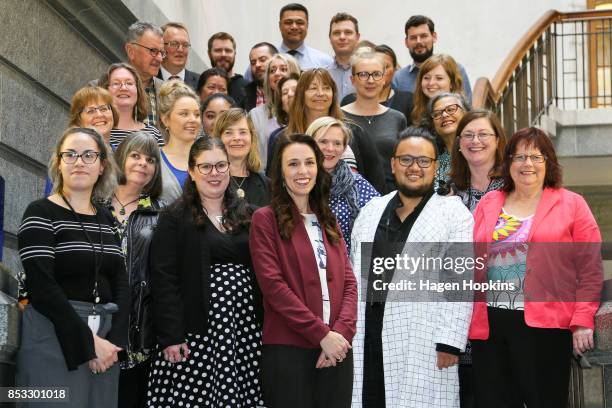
223 366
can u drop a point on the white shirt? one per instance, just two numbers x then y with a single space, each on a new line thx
315 234
166 75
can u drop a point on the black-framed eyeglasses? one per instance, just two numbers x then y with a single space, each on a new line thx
449 110
91 110
406 160
153 51
206 168
87 157
175 45
522 158
364 75
482 136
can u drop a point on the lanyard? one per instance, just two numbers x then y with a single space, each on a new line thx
97 259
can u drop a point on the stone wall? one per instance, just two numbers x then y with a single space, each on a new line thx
49 49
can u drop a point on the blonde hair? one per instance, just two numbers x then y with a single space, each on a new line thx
227 119
169 93
366 53
292 68
325 123
106 182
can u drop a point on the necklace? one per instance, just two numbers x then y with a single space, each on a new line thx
239 191
122 210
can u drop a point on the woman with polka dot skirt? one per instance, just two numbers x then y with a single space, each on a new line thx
204 295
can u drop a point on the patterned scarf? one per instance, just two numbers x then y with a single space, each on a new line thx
344 186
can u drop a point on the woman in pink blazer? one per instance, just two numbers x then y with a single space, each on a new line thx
522 332
308 286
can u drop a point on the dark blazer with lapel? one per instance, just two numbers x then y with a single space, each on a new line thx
180 262
191 78
288 277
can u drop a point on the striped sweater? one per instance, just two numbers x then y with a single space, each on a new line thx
58 263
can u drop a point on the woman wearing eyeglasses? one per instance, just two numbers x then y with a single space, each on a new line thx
398 100
204 310
179 111
75 323
477 156
94 107
444 112
380 124
124 84
91 107
235 129
542 242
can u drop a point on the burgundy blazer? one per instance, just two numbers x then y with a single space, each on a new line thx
289 280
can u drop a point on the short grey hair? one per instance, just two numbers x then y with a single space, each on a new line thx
427 121
461 101
136 30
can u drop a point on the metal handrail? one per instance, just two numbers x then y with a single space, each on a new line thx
534 74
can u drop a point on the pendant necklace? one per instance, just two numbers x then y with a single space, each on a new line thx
239 191
122 210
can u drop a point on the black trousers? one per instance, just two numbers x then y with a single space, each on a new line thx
520 365
133 385
290 379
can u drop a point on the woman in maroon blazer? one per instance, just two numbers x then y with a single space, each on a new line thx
308 286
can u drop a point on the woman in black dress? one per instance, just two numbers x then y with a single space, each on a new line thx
204 307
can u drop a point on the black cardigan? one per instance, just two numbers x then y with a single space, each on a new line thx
180 277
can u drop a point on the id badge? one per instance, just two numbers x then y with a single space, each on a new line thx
93 321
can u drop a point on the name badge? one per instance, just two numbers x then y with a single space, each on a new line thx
93 321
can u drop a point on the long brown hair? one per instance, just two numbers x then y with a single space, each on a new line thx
141 108
283 204
236 212
460 170
420 99
297 114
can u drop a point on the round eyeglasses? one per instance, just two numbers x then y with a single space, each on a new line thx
421 161
206 168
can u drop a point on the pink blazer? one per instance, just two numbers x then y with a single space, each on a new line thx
556 276
288 276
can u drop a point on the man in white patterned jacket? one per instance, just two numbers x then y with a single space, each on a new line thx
407 343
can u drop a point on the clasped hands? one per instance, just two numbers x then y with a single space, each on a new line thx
334 349
106 355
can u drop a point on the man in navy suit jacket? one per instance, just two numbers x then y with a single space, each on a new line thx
177 45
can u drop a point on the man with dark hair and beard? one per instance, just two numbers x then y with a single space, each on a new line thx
222 54
420 39
259 56
407 347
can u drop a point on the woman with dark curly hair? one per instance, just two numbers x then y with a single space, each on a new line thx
204 308
308 286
